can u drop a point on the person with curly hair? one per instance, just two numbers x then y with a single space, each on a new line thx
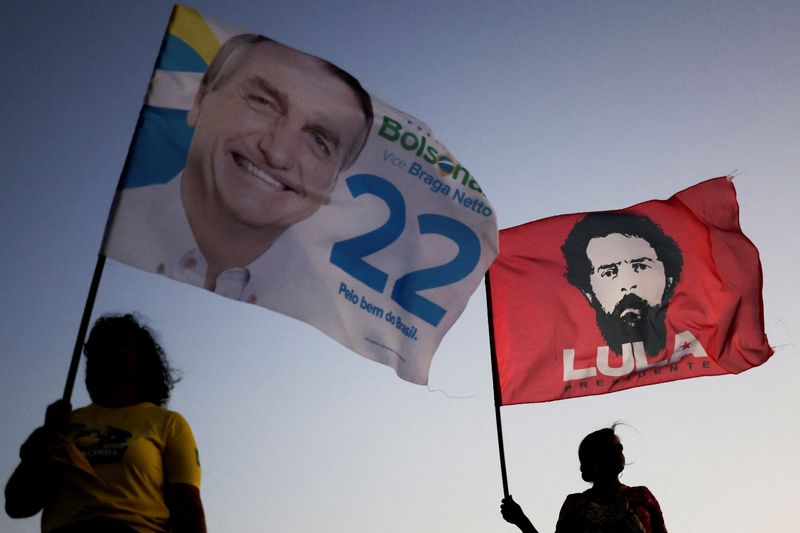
122 464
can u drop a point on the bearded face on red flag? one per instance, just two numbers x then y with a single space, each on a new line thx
627 269
592 303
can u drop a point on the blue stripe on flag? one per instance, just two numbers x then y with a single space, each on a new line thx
177 55
159 147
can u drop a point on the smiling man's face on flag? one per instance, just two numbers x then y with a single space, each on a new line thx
271 134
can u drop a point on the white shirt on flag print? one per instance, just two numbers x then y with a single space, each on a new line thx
175 252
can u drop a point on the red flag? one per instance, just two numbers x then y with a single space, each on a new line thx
593 303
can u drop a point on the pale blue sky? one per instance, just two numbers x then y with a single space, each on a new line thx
556 107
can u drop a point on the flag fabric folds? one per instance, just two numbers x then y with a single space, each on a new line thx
592 303
271 176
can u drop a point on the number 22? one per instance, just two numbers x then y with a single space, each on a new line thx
349 254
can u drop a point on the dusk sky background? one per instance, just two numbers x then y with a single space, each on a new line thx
556 107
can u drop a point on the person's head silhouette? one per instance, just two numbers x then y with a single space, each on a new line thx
601 457
125 364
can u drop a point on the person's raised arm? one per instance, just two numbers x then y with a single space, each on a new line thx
513 514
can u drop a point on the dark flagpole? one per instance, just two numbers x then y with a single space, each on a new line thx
496 383
87 314
101 258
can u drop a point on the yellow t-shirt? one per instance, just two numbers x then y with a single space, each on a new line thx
119 460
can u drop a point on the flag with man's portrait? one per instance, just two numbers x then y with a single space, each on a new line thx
269 175
591 303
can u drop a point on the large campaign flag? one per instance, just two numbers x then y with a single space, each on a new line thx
270 176
591 303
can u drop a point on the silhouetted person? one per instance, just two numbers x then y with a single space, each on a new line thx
124 463
608 506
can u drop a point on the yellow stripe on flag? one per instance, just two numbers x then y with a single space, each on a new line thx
189 26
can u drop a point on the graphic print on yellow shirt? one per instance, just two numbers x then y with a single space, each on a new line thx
130 454
102 446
